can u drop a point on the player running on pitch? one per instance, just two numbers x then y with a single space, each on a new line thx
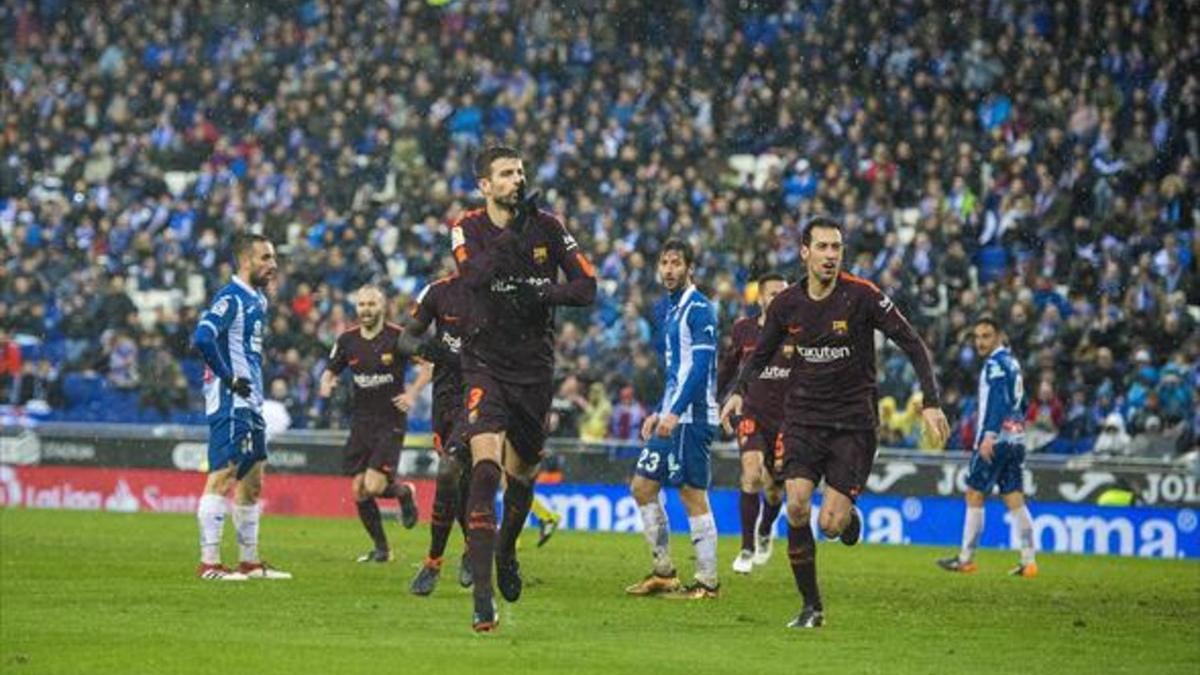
757 428
510 255
829 428
378 416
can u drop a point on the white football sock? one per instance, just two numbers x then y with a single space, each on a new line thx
245 519
657 532
210 513
1022 523
704 539
972 528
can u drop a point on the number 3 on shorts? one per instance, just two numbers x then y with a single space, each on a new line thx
648 461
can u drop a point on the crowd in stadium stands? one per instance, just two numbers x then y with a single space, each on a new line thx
1034 160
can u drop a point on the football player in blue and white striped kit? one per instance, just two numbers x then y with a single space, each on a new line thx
230 337
679 434
999 456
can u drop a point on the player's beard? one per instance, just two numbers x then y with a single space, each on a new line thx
261 280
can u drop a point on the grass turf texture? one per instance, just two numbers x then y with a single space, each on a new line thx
102 592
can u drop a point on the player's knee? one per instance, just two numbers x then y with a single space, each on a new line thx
798 514
449 470
643 491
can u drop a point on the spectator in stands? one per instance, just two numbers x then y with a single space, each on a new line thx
1112 439
275 408
121 360
627 416
1044 416
162 384
115 309
597 414
567 408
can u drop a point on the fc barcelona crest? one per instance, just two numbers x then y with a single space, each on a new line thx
540 254
386 359
789 351
841 327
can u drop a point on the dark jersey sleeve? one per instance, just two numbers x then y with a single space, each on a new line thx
773 333
339 357
731 358
423 312
579 290
887 318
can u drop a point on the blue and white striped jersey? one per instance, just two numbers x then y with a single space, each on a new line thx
688 330
230 337
1001 399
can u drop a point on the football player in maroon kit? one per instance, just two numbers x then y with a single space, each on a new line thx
378 416
509 255
830 414
757 428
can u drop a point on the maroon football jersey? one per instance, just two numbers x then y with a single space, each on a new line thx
378 375
444 304
764 396
516 344
833 373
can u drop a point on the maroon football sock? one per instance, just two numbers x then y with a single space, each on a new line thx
518 498
445 507
368 513
481 525
769 513
802 554
749 509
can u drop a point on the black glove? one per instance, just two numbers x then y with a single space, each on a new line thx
524 298
240 386
526 211
435 351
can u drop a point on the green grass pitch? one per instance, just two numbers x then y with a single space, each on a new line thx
109 593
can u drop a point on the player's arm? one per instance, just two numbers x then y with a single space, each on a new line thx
887 318
338 360
406 400
727 365
477 265
579 290
213 323
996 402
772 336
703 329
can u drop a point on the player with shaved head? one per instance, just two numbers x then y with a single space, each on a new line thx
378 415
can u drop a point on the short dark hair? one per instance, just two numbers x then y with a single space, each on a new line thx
989 320
483 161
244 243
813 223
771 276
680 247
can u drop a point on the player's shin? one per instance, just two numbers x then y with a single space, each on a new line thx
704 540
748 508
445 507
245 520
802 554
770 513
657 532
972 529
518 498
211 515
1022 523
368 513
481 524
